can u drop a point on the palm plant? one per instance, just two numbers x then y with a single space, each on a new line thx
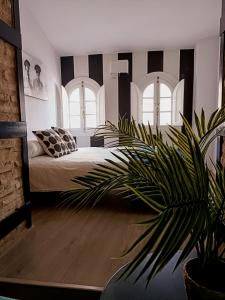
173 179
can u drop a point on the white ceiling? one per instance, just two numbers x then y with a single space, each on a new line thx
92 26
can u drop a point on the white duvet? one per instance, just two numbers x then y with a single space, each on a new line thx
49 174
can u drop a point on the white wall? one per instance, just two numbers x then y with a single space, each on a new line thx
206 75
206 80
40 114
43 114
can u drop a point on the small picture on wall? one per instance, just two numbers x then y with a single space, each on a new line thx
34 76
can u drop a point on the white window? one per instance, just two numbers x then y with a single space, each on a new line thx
148 105
84 104
157 104
82 108
157 100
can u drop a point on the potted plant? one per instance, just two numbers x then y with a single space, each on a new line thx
173 178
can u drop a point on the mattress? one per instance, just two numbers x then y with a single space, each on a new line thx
49 174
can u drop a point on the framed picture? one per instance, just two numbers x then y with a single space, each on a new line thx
34 76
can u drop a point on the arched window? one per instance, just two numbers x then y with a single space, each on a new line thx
157 100
82 107
157 104
85 104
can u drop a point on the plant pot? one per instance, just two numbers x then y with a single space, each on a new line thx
207 283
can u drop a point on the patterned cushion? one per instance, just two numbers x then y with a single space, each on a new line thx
52 143
66 137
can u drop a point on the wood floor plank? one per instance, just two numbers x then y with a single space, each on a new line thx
75 248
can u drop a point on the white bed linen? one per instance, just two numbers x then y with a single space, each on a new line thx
54 174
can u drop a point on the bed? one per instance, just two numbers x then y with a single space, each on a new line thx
48 174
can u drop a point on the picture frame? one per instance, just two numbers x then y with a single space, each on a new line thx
34 77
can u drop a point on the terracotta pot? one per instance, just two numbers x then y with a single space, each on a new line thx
194 277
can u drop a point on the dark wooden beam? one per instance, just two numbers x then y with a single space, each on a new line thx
13 220
36 290
10 35
20 84
12 129
26 184
16 13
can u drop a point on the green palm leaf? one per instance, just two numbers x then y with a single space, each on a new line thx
172 179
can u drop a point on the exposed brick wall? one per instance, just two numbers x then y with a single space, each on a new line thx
9 103
6 11
11 192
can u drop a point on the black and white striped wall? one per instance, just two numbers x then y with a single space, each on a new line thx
179 63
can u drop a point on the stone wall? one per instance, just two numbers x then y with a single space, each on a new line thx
6 11
11 185
11 190
9 104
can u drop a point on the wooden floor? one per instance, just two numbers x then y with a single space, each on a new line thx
79 248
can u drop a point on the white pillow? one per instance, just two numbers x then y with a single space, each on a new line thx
34 149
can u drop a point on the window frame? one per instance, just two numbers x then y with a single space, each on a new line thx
95 88
157 100
163 77
159 97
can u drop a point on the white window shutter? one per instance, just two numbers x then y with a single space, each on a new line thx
101 105
178 103
65 108
135 102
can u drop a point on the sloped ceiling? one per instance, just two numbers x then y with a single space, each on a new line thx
92 26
